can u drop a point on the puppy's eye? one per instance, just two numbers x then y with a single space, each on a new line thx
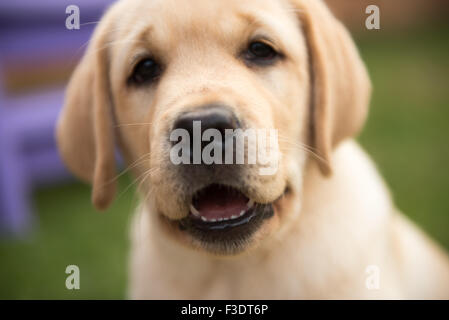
146 71
260 52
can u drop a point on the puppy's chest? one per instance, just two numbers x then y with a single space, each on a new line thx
250 282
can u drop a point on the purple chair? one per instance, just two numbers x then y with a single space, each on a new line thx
31 32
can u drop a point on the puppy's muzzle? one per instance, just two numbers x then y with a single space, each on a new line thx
222 214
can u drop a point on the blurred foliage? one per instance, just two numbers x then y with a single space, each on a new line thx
406 134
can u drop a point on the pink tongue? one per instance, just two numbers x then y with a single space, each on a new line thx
219 202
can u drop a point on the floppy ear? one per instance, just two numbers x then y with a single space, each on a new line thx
340 84
85 131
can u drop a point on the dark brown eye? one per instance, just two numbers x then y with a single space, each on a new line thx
146 71
260 52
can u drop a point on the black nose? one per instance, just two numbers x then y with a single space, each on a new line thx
212 116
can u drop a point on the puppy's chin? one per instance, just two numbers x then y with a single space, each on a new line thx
223 221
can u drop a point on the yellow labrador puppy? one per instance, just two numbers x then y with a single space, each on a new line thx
321 226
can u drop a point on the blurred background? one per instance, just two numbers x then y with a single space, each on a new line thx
46 218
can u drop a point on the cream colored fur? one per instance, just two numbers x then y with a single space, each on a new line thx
337 220
347 224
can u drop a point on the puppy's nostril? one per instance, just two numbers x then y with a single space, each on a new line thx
207 117
219 121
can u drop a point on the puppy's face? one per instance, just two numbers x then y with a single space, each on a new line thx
204 67
230 65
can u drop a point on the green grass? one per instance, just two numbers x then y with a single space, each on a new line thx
69 231
406 134
408 127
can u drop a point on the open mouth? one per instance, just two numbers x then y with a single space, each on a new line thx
218 207
224 214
